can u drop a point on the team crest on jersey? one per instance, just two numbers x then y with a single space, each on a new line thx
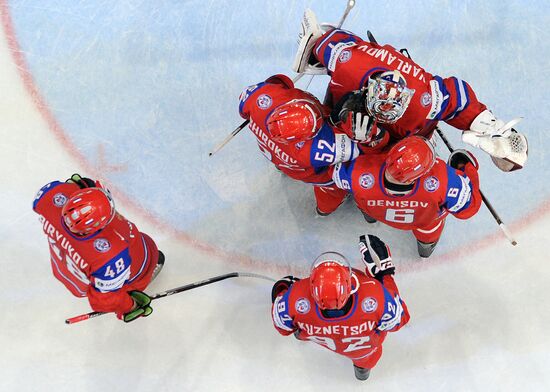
102 245
426 99
431 184
59 199
300 145
369 305
302 306
264 101
345 56
366 180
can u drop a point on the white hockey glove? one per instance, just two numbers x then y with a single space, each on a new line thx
304 62
507 147
376 256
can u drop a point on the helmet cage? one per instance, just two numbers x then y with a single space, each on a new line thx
388 97
82 217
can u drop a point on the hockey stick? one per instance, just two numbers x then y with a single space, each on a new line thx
487 203
241 127
350 4
177 290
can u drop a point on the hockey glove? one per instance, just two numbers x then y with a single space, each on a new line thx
460 158
82 182
352 119
141 306
282 285
507 147
376 256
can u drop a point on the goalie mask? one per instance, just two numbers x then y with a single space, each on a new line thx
388 96
88 211
295 121
331 281
410 159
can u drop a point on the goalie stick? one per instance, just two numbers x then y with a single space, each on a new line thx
350 4
177 290
487 203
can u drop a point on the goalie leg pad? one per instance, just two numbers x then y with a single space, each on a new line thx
310 33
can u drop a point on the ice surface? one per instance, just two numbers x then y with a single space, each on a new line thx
139 92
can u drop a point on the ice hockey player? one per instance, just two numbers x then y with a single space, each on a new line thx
383 86
94 251
292 132
341 308
410 189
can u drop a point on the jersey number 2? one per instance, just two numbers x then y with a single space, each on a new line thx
355 343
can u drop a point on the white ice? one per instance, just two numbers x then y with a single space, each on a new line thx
146 89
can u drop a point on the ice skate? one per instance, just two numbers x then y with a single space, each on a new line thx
425 249
158 267
368 218
361 373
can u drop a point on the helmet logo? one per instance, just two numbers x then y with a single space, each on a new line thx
302 306
369 305
264 101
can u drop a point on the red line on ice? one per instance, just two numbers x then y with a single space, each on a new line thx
234 258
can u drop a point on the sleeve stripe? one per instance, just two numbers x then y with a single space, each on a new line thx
322 43
462 98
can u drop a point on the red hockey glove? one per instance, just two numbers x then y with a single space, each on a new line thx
376 256
282 285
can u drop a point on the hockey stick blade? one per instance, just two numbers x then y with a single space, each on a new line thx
177 290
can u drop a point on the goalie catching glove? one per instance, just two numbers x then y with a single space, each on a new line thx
376 256
507 147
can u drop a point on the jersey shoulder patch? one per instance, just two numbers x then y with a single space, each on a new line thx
247 92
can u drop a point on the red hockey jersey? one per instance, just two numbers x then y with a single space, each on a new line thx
376 309
103 266
441 191
305 161
350 62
